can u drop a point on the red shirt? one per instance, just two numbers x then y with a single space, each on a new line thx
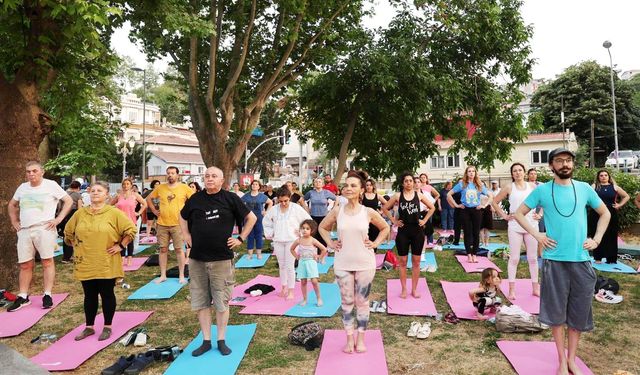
331 187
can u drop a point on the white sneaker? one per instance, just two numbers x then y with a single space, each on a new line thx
413 330
141 340
607 296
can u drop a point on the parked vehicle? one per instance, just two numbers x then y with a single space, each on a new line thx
627 160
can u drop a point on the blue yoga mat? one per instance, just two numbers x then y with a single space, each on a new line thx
494 246
429 259
212 362
245 262
491 234
334 235
324 268
163 290
330 297
140 248
523 258
57 253
618 267
459 246
387 245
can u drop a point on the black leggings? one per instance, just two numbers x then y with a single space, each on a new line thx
471 220
129 251
410 235
104 288
457 224
67 250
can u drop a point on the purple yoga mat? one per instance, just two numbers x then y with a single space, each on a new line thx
136 263
422 306
457 294
333 360
68 354
14 323
524 295
238 290
379 260
483 263
534 357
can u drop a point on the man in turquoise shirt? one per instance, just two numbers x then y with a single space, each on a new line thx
568 280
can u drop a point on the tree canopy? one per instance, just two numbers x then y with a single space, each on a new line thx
585 92
235 55
429 73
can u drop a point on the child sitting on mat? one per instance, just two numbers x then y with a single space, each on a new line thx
308 257
485 295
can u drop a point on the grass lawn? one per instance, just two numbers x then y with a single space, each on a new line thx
466 348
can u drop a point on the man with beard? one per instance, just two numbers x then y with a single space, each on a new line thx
568 280
172 197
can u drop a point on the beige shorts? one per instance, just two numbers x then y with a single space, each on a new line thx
211 284
36 238
173 233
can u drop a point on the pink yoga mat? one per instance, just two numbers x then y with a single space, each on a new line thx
272 303
238 290
379 260
524 295
68 354
136 263
148 240
534 357
14 323
621 242
457 294
422 306
333 360
483 263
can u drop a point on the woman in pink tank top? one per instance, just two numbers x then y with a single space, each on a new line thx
355 262
126 201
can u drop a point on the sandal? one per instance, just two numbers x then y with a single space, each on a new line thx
451 318
106 333
85 333
413 330
424 331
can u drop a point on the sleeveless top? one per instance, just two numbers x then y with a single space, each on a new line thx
353 230
128 206
371 203
307 251
409 211
608 194
516 197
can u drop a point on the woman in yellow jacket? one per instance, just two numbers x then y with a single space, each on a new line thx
98 233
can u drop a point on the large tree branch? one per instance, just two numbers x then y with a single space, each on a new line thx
277 34
174 57
213 52
243 55
193 79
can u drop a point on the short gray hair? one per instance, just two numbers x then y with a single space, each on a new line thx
100 183
33 162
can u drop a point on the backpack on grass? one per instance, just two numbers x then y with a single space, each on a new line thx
606 283
391 257
307 334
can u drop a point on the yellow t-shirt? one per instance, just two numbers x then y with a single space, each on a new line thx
171 202
91 234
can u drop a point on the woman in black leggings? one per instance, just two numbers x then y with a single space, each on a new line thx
471 188
410 230
98 233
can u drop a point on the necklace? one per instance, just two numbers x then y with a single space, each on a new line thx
575 200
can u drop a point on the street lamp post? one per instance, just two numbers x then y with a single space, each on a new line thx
144 123
607 44
122 149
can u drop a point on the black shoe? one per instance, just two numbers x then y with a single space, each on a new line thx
139 363
18 304
121 364
47 301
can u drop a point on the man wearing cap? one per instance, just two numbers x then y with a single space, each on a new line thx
568 280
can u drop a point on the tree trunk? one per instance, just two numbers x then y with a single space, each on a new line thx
344 148
23 126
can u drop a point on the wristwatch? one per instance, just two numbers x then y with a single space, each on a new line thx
240 239
122 247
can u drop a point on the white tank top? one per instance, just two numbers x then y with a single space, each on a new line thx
516 197
352 232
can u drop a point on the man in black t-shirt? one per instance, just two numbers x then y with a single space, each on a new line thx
207 221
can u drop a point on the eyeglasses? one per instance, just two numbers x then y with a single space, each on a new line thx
563 161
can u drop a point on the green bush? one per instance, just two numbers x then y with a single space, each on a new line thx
628 214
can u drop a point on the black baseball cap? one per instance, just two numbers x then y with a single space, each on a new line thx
560 151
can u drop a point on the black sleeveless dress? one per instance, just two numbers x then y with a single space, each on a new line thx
608 247
374 204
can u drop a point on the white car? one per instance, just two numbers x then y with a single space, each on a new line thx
627 160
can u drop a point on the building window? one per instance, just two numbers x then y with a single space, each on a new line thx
157 170
200 170
539 157
437 162
453 161
132 117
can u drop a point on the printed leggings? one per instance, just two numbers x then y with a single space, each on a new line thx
355 287
93 289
